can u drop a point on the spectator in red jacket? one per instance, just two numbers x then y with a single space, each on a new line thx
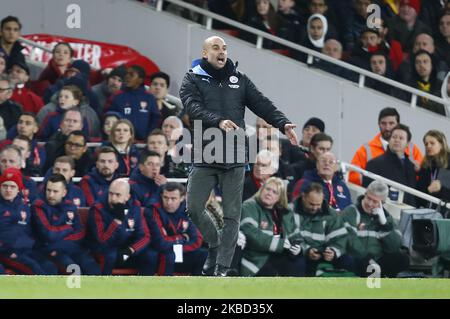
20 75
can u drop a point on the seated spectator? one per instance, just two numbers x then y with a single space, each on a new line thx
136 104
322 7
266 19
2 64
323 235
357 18
320 144
9 110
266 165
393 47
333 48
59 229
11 156
424 79
62 55
369 42
109 87
422 42
395 163
77 74
146 181
159 87
430 12
172 127
388 118
175 227
10 47
70 96
16 251
311 127
158 142
405 27
27 126
238 10
316 34
380 64
76 148
335 190
96 183
443 43
20 75
65 165
120 232
28 167
437 157
373 235
293 22
271 247
108 122
121 140
72 120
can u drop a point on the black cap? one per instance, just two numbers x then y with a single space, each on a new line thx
314 121
21 64
119 71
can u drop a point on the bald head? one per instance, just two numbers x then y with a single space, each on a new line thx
332 48
424 42
119 192
215 52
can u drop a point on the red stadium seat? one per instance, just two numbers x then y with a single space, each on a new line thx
284 52
232 32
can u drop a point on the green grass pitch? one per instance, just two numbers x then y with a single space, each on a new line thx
214 288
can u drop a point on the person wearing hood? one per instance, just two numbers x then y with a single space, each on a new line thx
215 94
316 34
336 192
69 96
77 73
445 92
394 164
112 85
10 47
96 183
174 227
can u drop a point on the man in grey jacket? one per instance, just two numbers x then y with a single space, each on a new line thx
215 95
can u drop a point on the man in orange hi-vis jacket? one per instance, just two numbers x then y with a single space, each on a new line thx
387 120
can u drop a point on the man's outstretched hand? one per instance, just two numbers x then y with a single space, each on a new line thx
290 133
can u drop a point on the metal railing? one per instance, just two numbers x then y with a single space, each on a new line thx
261 35
402 188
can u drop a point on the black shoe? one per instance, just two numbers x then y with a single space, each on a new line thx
222 271
210 263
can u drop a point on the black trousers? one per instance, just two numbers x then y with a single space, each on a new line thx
283 265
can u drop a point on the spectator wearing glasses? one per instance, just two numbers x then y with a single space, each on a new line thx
76 148
335 191
9 110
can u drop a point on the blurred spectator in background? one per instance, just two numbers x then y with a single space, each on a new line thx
9 110
159 87
20 75
437 158
112 85
10 47
443 37
62 55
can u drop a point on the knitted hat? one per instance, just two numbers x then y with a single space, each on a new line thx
415 4
119 71
21 64
82 67
314 121
12 175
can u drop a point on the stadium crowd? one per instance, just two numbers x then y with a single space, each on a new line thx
297 217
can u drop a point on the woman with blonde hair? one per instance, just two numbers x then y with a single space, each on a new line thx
271 243
121 140
437 159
